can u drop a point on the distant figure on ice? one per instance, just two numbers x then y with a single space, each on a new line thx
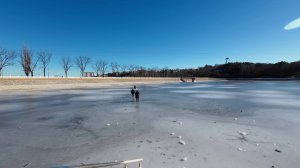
133 90
137 96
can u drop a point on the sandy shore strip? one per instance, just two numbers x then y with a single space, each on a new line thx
13 84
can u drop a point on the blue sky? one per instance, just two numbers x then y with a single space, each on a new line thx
152 33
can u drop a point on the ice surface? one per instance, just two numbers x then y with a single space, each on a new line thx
67 127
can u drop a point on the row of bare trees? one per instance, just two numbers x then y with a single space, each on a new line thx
100 67
29 62
6 59
81 63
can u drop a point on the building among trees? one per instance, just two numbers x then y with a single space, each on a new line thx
88 74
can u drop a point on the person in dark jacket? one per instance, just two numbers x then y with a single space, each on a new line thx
137 96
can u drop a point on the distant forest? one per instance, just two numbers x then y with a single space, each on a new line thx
228 70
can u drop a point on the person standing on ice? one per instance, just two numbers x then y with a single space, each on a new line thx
137 96
133 90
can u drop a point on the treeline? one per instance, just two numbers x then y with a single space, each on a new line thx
231 70
228 70
29 61
252 70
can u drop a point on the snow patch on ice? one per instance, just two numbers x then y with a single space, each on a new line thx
210 96
271 94
91 98
277 102
187 87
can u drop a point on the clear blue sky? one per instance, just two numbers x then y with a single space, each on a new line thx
152 33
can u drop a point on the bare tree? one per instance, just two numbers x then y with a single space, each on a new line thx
6 59
165 71
113 67
81 62
103 67
123 68
117 69
45 58
131 69
28 62
34 65
97 67
66 63
136 68
26 56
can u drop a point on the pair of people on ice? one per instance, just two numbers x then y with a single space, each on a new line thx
135 93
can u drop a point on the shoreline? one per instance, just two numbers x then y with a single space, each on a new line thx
31 84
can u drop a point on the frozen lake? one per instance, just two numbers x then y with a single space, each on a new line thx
224 124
